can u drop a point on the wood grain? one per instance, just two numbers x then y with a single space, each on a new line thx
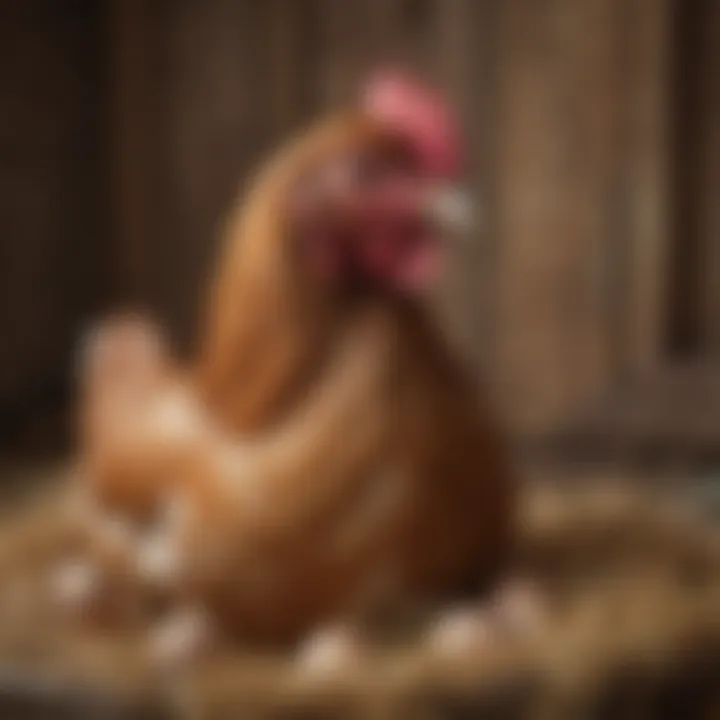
567 109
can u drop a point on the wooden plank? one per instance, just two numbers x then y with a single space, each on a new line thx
671 414
52 262
527 190
340 61
707 179
482 131
595 258
584 220
137 114
462 295
359 36
415 25
291 63
380 19
647 186
222 117
558 140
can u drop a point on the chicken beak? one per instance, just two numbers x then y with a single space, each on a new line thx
450 209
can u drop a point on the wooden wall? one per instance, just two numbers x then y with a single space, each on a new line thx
583 203
567 110
52 234
697 255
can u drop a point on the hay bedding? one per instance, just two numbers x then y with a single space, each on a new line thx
633 630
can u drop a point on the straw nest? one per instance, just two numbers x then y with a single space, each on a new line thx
632 629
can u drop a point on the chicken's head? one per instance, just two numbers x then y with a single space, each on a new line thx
377 208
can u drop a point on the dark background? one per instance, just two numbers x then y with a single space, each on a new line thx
591 298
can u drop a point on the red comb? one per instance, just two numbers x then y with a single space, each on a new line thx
419 114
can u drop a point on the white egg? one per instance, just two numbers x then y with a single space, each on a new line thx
460 631
329 650
75 584
182 636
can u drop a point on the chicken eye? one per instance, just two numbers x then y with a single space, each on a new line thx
367 169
